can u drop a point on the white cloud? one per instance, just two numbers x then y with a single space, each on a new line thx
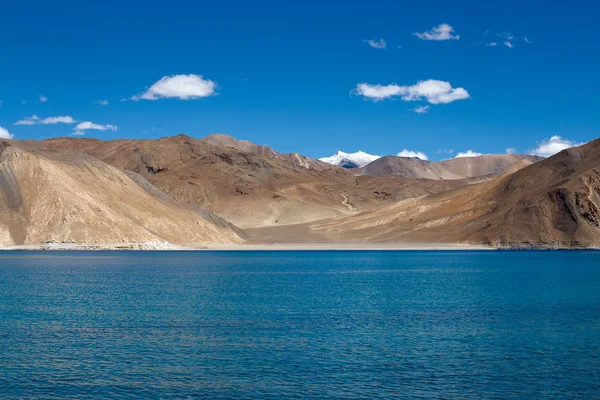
34 119
552 146
440 32
508 44
184 87
378 44
511 150
506 35
526 39
84 126
66 119
434 91
5 134
491 44
42 98
413 154
421 109
445 151
28 120
468 153
102 102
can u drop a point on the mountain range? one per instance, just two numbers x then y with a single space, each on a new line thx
181 191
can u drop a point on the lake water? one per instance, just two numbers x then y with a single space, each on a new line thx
405 324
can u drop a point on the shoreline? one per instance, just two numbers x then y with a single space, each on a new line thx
247 247
58 247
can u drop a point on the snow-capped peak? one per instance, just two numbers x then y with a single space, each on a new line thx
350 160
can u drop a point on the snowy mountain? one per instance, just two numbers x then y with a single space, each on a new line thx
350 160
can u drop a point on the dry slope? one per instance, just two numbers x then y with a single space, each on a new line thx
247 189
48 196
555 202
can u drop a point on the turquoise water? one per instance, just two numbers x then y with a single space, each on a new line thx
300 324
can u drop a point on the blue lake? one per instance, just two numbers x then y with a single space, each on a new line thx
406 324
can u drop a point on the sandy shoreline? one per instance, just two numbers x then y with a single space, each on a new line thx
347 247
248 247
279 247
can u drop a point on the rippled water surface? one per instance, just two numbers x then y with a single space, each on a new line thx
300 324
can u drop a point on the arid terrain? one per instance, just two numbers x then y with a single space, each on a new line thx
218 191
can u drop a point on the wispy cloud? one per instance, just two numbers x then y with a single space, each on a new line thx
87 125
445 151
556 144
5 134
376 43
66 119
42 98
421 109
440 32
413 154
28 120
184 87
468 153
507 40
434 91
101 102
34 119
511 150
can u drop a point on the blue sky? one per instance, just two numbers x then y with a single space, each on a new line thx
286 73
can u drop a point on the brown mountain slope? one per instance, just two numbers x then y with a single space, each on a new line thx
555 202
247 189
294 159
456 168
48 196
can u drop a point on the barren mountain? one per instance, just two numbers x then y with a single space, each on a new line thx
294 159
456 168
245 188
554 202
93 191
49 196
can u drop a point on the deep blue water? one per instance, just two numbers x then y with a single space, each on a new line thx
300 324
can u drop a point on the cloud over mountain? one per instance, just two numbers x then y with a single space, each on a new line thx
66 119
552 146
184 87
28 120
34 119
468 153
5 134
413 154
87 125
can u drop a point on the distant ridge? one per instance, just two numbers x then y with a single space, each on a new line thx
456 168
293 159
551 203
